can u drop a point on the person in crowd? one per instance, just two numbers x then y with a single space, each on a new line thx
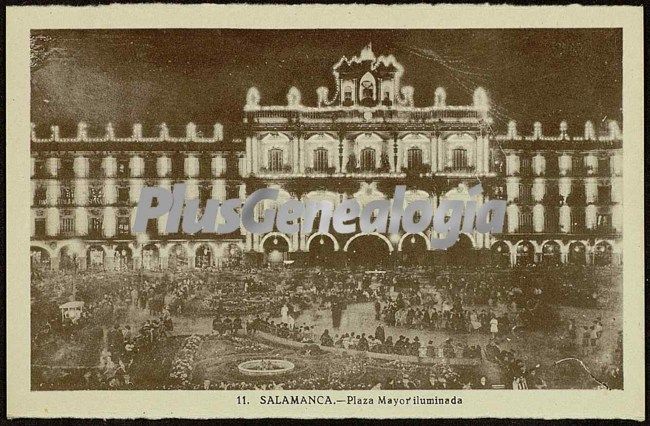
326 339
494 326
380 334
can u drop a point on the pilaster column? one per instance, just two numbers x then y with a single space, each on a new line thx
52 221
255 158
80 166
110 166
393 154
81 191
191 166
478 155
163 166
433 152
294 155
136 164
486 154
53 166
301 155
109 222
441 153
249 156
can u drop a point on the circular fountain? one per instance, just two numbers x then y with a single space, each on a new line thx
265 367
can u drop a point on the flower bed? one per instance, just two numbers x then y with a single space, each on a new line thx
183 363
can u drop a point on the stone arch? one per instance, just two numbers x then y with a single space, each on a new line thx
551 252
414 248
461 140
369 140
95 256
275 235
203 255
323 234
367 89
525 252
325 141
178 256
603 253
421 234
577 253
150 256
324 250
375 234
39 256
67 254
275 140
123 257
415 140
500 252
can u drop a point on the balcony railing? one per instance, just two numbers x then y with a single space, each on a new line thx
96 234
65 201
361 115
38 201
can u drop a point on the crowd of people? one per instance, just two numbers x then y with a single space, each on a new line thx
483 301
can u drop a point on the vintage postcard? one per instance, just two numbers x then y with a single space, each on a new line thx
387 211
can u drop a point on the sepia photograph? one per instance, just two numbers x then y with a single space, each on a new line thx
275 210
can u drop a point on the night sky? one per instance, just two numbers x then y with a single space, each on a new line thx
178 76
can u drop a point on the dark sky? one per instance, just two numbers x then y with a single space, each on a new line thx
178 76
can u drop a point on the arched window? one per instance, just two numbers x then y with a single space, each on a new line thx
275 160
368 160
414 158
367 90
459 159
321 163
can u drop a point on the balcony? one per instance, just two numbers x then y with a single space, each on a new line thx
96 201
66 201
524 229
66 233
320 171
417 170
284 169
40 201
382 114
96 234
459 170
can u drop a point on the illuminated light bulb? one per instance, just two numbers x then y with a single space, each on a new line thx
321 241
413 240
275 240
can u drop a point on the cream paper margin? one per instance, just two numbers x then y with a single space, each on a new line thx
21 402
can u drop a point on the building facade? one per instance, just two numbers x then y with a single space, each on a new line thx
563 192
85 190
